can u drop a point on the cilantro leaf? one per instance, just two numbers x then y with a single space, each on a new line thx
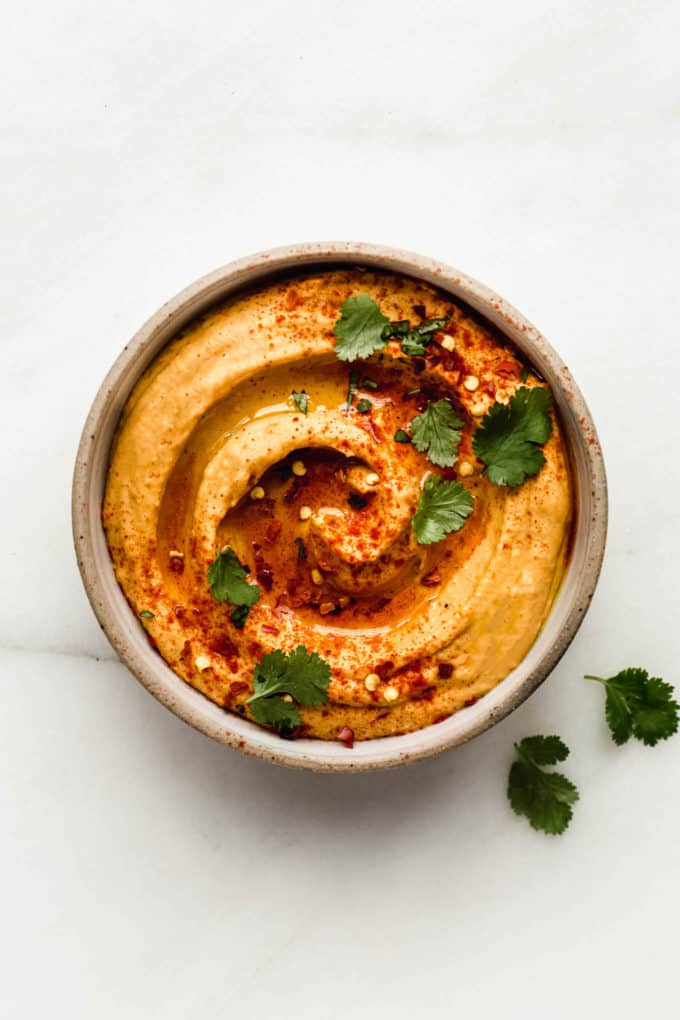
545 798
431 326
508 439
443 507
359 330
301 551
226 576
146 614
239 616
413 345
364 406
302 676
414 341
640 706
400 436
276 712
436 433
301 400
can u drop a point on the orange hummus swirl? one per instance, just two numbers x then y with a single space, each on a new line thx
212 450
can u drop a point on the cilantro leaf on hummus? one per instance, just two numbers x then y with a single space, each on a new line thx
414 341
352 386
301 400
436 432
226 577
444 507
359 330
639 705
277 712
299 675
362 329
509 437
545 798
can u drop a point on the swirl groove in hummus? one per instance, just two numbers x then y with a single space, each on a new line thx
213 418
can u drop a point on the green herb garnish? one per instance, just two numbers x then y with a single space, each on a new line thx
545 798
300 675
352 385
400 436
146 614
364 406
239 616
359 330
301 551
362 329
301 400
368 383
444 507
436 432
414 342
226 577
509 437
639 705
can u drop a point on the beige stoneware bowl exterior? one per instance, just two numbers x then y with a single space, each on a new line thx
127 635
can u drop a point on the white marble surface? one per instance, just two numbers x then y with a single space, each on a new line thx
149 872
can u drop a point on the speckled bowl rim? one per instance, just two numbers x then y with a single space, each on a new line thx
127 635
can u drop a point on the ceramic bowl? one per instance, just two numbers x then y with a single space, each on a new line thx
127 635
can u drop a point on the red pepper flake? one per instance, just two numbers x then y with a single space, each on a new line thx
505 367
445 670
470 701
431 580
273 531
266 506
269 630
346 736
299 731
367 425
224 646
177 564
294 491
375 719
238 687
378 606
264 574
451 361
179 612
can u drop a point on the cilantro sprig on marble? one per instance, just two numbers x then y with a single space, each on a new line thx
363 330
226 578
545 798
436 432
278 677
639 705
509 439
444 506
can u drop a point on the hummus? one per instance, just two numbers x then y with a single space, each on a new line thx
212 450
